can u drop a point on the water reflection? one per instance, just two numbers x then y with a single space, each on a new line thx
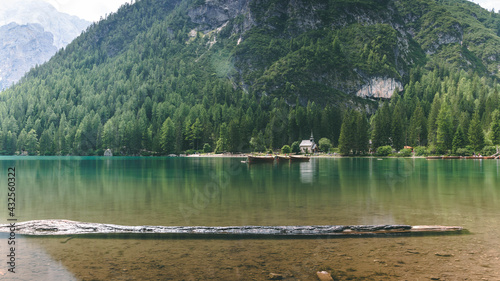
210 191
306 171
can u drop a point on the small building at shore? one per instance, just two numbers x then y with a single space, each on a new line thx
108 152
308 146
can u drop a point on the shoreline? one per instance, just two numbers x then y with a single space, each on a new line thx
244 155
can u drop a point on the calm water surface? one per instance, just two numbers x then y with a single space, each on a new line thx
224 191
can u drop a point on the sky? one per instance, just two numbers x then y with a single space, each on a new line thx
91 10
489 4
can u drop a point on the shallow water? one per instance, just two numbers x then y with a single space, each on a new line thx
224 191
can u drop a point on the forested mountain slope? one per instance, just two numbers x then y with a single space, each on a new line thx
163 76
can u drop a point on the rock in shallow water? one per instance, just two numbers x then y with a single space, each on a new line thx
275 276
324 276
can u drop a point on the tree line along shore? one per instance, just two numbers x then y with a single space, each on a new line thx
439 112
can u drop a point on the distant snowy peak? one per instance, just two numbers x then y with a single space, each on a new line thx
64 27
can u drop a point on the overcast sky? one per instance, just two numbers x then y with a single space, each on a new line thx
93 10
489 4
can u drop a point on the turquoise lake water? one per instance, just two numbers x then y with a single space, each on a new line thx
224 191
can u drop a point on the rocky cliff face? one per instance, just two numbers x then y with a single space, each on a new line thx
21 48
294 17
417 33
63 27
215 13
31 32
379 87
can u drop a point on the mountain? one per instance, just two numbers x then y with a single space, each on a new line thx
378 42
31 32
63 27
163 76
21 48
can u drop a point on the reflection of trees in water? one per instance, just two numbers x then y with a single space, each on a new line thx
213 191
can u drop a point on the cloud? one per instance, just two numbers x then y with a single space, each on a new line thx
91 10
489 4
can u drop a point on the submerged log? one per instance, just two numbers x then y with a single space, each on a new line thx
67 227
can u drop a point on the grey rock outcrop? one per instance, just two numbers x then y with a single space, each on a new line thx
31 32
379 87
303 16
215 13
21 48
64 27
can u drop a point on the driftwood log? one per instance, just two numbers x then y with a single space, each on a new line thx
67 227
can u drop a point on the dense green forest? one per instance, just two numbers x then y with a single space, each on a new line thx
440 112
158 77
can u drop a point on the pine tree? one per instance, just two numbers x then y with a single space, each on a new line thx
495 132
146 138
31 142
418 126
495 127
347 134
187 134
476 134
431 120
167 136
46 145
109 135
134 130
195 134
336 53
21 140
9 143
459 139
223 141
234 137
84 140
362 133
398 126
381 125
444 130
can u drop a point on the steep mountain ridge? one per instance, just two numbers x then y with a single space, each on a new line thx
31 33
21 48
419 27
64 27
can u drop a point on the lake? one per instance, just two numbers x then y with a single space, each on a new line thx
225 192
